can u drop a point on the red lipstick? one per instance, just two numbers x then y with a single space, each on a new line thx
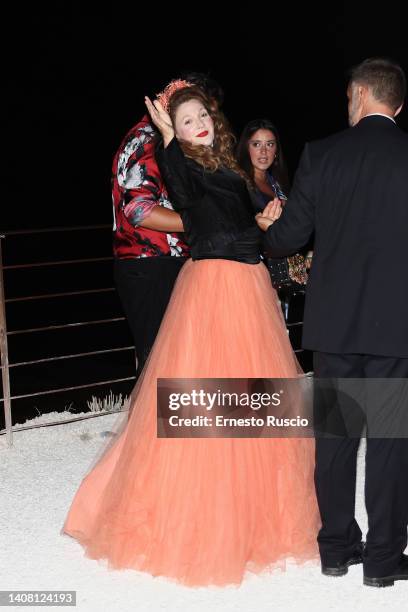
202 134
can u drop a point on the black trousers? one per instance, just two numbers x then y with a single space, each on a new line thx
144 286
386 478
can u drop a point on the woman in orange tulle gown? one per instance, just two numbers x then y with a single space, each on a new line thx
204 511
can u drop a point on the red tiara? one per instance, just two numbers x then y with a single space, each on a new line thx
165 95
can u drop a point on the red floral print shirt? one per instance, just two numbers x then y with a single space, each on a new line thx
137 188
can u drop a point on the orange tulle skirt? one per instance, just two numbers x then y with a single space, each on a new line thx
203 511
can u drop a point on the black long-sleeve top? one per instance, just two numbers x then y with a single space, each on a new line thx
216 207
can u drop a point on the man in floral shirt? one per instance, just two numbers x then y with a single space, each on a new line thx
148 243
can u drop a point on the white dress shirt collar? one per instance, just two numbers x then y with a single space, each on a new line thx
381 115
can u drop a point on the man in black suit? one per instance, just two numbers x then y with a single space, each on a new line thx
351 189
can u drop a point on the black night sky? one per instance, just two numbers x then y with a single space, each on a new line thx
77 74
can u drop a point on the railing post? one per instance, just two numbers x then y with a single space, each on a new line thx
5 372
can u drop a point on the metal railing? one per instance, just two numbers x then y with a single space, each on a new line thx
4 333
6 366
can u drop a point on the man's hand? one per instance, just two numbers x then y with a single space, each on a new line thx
270 213
273 209
263 222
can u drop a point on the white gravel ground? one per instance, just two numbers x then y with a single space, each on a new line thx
39 476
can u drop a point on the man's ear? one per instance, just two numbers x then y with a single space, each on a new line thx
362 91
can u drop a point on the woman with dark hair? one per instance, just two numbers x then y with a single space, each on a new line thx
260 154
205 510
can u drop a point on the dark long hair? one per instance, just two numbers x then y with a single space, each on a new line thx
278 168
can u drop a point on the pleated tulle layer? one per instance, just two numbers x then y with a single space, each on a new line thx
203 511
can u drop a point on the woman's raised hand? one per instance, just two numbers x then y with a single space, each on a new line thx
160 118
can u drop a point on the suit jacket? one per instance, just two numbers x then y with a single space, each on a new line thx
351 189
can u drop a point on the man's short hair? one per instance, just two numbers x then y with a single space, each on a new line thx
385 78
205 82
